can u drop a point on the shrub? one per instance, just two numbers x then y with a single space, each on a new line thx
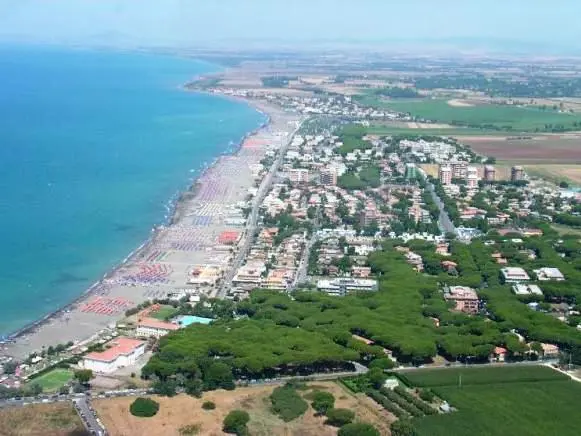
287 403
388 405
427 395
190 430
208 405
322 402
402 427
144 407
358 429
235 422
339 417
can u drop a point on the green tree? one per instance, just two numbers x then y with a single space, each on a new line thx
208 405
376 377
10 367
144 407
322 402
382 363
235 422
358 429
83 376
165 388
218 375
339 417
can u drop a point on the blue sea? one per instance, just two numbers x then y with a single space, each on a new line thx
93 145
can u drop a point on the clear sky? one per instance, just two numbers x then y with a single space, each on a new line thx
194 22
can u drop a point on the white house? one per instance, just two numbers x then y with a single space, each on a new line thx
121 352
549 274
514 275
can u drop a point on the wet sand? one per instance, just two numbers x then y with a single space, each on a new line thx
163 263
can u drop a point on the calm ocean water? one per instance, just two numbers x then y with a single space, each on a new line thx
92 147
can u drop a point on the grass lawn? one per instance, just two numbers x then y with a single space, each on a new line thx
498 401
53 380
521 119
164 313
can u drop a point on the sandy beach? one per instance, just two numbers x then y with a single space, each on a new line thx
163 263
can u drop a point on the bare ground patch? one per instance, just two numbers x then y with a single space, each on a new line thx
182 411
59 419
459 103
556 173
553 149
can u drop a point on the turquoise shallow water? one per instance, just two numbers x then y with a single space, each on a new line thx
93 145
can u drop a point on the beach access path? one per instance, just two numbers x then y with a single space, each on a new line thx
164 263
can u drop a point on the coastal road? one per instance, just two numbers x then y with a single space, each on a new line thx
252 221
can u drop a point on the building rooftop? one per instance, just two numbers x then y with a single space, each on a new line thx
119 347
515 273
156 324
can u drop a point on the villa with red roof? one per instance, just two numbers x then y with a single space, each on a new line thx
121 352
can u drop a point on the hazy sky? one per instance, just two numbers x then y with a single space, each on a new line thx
192 22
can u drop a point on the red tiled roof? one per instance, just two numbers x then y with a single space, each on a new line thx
228 237
120 347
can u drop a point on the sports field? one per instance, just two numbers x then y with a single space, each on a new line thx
53 380
164 312
520 119
498 401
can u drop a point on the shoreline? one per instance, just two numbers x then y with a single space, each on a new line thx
176 206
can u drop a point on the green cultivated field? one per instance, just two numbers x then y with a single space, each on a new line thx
520 119
495 401
53 380
480 375
452 131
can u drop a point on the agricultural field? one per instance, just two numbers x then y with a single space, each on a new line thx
557 173
184 411
542 149
480 375
517 119
59 419
498 401
53 380
409 129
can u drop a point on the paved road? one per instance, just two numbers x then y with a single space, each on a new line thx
252 221
88 416
301 275
444 221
